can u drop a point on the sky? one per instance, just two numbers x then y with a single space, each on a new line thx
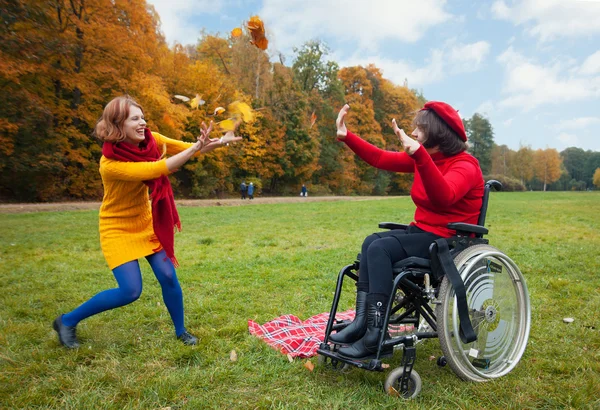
531 67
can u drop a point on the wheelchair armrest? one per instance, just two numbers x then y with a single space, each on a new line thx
463 228
392 225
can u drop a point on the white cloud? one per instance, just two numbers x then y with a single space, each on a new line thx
465 58
529 84
454 58
578 123
568 139
293 22
549 19
486 107
591 65
181 19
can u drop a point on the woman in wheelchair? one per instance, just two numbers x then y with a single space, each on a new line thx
448 187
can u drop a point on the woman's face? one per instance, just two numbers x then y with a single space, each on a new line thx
419 135
134 126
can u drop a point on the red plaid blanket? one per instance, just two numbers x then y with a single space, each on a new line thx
290 335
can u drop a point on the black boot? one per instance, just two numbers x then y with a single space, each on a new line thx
358 327
66 334
366 347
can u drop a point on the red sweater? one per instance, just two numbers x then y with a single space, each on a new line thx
445 189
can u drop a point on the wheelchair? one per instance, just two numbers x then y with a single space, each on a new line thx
486 296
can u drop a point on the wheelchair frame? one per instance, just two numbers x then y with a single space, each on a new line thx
421 286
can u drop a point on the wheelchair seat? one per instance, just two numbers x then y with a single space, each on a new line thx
497 304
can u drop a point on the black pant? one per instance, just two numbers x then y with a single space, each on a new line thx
381 250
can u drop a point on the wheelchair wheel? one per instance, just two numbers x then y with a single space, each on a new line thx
393 388
499 310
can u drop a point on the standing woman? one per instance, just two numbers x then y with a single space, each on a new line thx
447 187
134 224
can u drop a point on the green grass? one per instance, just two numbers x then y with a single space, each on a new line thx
261 261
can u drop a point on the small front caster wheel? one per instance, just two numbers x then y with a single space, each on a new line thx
393 386
441 361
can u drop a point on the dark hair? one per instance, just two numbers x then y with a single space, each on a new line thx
438 133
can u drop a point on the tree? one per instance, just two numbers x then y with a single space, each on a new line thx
501 160
481 140
597 178
547 166
522 166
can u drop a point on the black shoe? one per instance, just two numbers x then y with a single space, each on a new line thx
188 339
355 330
367 347
66 334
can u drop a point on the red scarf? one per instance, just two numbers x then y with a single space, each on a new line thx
164 212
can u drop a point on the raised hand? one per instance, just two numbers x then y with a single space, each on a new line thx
342 131
410 145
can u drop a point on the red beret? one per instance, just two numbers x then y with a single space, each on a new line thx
449 115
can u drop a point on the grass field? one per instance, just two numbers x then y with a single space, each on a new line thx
259 262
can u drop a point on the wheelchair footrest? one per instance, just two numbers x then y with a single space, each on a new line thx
372 365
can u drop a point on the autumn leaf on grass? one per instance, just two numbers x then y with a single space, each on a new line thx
313 119
290 358
309 365
236 32
393 392
219 110
257 31
239 108
233 356
197 101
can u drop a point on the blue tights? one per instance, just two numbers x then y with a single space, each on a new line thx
129 278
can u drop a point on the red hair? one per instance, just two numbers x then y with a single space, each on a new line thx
109 127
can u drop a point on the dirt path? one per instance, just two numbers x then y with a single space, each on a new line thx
78 206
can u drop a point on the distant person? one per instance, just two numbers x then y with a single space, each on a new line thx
134 224
251 191
304 191
447 187
243 189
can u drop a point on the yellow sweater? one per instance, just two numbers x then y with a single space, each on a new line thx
126 232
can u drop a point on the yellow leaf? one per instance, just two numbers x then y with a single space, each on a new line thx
197 101
290 358
313 119
236 32
233 356
227 125
219 110
309 366
243 109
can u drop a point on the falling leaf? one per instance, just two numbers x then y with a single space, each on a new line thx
290 358
219 110
242 109
196 101
182 98
236 32
168 120
309 365
313 119
257 31
227 125
233 356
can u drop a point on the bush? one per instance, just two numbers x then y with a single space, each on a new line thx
508 184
